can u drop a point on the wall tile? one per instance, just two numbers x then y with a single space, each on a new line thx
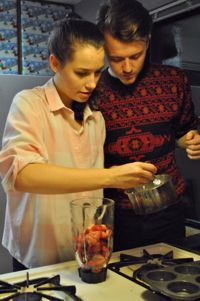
8 37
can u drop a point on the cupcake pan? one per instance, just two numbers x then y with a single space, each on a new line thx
178 282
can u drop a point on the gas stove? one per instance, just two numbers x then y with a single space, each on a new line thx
118 285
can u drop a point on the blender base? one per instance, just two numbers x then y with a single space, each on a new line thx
91 277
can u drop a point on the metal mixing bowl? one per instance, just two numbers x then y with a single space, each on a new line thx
153 196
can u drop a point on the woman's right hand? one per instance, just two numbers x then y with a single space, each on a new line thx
131 174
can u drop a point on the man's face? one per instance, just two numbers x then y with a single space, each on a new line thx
126 59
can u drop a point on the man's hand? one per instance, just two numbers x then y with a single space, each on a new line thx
192 140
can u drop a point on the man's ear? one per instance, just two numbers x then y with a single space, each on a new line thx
54 63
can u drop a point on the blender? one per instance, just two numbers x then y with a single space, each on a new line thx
92 228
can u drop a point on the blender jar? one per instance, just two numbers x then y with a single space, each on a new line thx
92 228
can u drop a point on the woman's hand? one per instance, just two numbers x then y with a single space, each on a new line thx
132 174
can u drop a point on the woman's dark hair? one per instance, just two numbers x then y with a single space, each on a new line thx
126 20
70 32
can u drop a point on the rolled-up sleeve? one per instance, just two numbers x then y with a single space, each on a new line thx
22 141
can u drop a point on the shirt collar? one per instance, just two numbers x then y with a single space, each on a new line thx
55 102
53 98
112 73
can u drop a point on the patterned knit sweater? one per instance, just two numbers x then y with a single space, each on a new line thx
144 120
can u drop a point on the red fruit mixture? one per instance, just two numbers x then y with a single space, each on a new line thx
94 247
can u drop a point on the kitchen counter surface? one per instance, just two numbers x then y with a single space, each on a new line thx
116 287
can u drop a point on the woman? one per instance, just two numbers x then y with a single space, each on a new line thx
53 150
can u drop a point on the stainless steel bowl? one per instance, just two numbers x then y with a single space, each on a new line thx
153 196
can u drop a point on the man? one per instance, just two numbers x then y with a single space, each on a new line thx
148 110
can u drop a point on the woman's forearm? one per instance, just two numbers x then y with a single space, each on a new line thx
52 179
43 178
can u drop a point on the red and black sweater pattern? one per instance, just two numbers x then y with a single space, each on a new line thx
143 121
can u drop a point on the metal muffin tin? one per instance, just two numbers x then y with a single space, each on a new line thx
178 282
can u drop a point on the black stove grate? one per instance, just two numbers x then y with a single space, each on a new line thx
36 289
144 263
137 268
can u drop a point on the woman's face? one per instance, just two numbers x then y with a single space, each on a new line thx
79 76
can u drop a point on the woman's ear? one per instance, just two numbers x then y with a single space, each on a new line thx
54 64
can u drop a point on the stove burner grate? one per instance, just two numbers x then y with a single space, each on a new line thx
136 269
36 289
146 262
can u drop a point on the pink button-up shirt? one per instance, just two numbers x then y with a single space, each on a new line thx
37 227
